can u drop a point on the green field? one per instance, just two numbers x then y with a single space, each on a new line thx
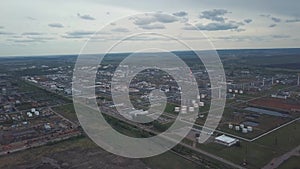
261 151
67 111
291 163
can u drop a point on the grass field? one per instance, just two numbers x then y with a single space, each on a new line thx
67 111
165 161
291 163
261 151
170 160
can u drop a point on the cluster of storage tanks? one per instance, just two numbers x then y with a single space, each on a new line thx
186 109
241 127
236 91
33 112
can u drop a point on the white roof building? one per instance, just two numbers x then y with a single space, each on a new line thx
225 140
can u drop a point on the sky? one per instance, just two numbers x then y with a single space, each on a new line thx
49 27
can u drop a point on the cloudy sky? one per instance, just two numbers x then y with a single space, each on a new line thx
35 27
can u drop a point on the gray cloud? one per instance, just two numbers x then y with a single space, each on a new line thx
240 30
248 20
83 34
31 18
32 33
152 18
265 15
78 34
21 40
85 17
6 33
214 15
292 20
281 36
1 27
120 30
164 18
180 14
188 26
272 25
152 26
218 26
274 19
55 25
252 38
30 39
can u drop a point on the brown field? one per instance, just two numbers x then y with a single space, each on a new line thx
276 104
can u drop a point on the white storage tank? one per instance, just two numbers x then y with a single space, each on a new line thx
184 109
250 129
29 114
177 109
202 96
33 110
237 128
37 113
242 125
230 126
230 90
201 104
244 130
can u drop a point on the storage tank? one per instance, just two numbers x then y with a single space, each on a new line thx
250 129
244 130
184 109
242 125
37 113
191 109
237 128
230 126
177 109
201 104
202 96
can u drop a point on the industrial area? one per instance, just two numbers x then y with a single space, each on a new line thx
36 108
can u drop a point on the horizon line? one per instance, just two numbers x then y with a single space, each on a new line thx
72 54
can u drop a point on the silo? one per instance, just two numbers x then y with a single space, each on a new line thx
250 129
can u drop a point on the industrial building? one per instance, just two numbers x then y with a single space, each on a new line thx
225 140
